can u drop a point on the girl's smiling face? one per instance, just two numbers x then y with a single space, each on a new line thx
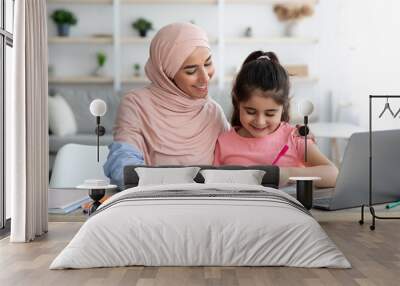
195 74
260 115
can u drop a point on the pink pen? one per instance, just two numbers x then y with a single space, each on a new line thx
281 153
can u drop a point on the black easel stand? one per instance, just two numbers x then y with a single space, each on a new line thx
371 207
100 131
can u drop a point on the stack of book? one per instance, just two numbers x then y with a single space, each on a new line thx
63 201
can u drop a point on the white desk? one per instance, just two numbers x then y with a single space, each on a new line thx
334 131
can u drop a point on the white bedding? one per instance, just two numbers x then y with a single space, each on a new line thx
187 230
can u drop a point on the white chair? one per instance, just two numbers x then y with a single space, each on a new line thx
76 163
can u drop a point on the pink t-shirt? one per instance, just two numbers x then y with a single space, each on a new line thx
233 149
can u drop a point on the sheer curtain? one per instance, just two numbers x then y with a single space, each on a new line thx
27 125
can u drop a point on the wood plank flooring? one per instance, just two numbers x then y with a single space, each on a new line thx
374 255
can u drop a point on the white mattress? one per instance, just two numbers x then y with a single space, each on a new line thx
185 230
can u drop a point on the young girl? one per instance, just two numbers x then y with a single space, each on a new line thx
261 134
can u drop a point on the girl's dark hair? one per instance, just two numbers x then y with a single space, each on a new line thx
261 70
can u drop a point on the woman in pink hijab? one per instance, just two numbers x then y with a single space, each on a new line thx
171 121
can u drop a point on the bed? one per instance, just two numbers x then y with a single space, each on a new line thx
201 224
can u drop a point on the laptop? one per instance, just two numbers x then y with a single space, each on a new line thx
352 184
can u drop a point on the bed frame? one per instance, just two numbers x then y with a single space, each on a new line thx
270 179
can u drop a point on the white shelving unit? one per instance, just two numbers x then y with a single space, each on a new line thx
207 2
80 80
169 1
94 2
81 40
220 40
135 40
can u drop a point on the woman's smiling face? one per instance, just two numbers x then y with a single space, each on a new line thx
194 76
260 115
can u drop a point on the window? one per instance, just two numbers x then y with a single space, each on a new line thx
6 44
9 19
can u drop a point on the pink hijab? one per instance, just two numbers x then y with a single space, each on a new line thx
162 121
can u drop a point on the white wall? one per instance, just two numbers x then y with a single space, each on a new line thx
360 55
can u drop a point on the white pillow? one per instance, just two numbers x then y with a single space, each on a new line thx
248 177
61 118
163 176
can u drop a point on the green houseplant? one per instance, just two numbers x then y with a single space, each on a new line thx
63 19
136 70
101 61
142 26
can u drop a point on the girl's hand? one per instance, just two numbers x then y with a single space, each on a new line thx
310 134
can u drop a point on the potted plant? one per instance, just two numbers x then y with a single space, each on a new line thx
142 26
136 70
63 19
101 60
292 14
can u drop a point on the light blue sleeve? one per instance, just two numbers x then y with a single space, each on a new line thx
120 155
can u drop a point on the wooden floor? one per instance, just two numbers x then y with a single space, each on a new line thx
374 255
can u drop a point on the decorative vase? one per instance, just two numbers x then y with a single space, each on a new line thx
63 30
291 28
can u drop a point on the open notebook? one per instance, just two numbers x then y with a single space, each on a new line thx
62 201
